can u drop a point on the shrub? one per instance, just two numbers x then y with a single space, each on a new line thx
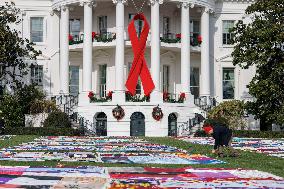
200 133
15 106
230 113
12 112
43 106
27 95
43 131
57 120
258 134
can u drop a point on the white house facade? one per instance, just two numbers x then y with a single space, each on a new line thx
86 48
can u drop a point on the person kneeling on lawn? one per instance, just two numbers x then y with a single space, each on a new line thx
223 136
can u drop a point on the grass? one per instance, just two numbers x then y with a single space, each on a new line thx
248 160
16 140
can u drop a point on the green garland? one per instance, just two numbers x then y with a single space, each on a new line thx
104 39
72 42
97 38
95 99
136 98
166 40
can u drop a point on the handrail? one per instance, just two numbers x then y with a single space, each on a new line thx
206 103
67 104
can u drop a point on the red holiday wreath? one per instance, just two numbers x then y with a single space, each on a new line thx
157 113
118 112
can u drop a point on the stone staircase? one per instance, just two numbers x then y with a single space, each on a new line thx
68 104
204 105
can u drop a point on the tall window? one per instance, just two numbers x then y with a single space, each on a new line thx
74 27
166 78
138 86
102 25
227 35
37 75
36 30
166 25
102 80
228 83
194 82
74 80
194 28
138 24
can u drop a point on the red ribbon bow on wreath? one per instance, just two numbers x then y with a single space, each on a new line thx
139 65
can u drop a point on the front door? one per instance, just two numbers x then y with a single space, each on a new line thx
137 124
101 124
172 125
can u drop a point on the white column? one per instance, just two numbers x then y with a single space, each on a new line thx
156 95
64 50
119 92
185 51
88 47
205 59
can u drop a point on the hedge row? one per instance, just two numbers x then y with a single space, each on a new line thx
43 131
248 134
259 134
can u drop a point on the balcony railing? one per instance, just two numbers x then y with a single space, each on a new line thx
98 37
106 37
173 98
136 98
171 38
195 40
97 98
206 103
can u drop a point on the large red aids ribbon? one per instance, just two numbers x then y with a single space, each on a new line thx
139 65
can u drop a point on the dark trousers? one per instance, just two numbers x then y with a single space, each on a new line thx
222 137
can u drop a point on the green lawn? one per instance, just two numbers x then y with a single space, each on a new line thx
248 160
16 140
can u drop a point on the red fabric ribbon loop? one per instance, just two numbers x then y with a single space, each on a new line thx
139 65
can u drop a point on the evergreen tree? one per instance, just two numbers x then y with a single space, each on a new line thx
15 52
261 43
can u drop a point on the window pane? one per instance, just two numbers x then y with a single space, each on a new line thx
166 77
75 27
228 83
37 75
196 27
102 24
102 80
36 32
194 82
227 36
166 25
74 80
